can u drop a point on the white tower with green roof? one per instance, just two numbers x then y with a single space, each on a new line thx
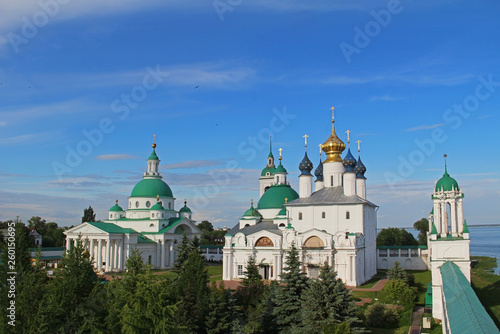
449 237
266 179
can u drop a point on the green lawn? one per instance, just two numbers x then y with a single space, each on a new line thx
378 276
487 285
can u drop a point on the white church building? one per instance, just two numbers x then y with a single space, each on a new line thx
334 224
151 224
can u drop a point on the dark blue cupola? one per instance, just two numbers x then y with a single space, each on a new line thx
360 169
349 162
305 166
319 171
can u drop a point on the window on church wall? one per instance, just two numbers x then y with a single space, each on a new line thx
300 215
331 179
169 205
148 204
282 225
323 215
347 215
240 269
382 253
314 242
137 204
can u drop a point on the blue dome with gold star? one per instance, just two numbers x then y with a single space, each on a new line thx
305 166
349 162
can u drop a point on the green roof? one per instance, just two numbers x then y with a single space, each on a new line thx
282 212
144 240
153 156
466 227
269 170
280 169
171 223
447 183
428 295
465 312
185 209
112 228
116 207
151 188
274 197
252 212
157 206
434 230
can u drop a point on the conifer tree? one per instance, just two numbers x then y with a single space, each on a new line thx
397 273
192 289
327 302
252 275
88 215
289 297
222 317
183 250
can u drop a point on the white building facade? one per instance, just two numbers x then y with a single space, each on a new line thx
150 224
334 224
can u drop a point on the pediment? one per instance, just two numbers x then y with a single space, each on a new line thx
85 228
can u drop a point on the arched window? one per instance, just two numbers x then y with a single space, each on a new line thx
169 205
282 225
347 215
148 204
314 242
331 179
300 215
152 225
137 204
323 215
246 225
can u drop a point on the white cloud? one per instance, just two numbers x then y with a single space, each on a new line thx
115 157
24 139
426 127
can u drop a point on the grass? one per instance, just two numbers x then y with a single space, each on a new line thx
371 283
400 330
487 285
422 277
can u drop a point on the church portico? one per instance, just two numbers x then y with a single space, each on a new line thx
150 225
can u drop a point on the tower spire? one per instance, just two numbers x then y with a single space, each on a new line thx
445 165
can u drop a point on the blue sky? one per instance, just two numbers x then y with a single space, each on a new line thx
85 85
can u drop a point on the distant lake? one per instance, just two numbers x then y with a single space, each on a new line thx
484 241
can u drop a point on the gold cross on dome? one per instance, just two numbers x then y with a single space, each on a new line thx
305 137
251 201
348 132
154 138
359 146
333 112
280 151
320 148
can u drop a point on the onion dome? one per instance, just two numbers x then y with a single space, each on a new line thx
280 169
333 146
157 206
116 207
305 166
349 162
276 196
185 208
151 188
360 169
319 171
252 212
447 183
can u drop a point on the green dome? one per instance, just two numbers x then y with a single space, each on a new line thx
151 188
282 212
252 213
185 209
157 206
280 169
274 197
153 156
116 207
447 183
269 170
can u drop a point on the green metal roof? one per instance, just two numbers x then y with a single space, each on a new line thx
447 183
171 223
112 228
157 206
428 295
465 312
151 188
434 230
144 240
116 207
252 212
269 170
153 155
399 247
466 227
274 197
185 209
280 169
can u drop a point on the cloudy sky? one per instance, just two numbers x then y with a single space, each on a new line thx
84 85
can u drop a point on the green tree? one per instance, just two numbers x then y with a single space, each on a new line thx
400 293
422 226
38 223
222 316
68 291
394 236
88 215
252 275
205 226
193 291
381 316
397 272
289 298
183 250
327 302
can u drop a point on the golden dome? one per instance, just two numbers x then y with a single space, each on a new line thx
333 146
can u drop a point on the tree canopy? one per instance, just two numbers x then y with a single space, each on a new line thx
394 236
422 226
88 215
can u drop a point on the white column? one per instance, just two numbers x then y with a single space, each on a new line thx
99 255
115 255
171 253
120 255
92 250
454 226
460 216
444 222
68 243
437 217
349 184
108 254
305 186
162 263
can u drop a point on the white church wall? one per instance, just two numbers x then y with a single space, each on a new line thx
409 258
